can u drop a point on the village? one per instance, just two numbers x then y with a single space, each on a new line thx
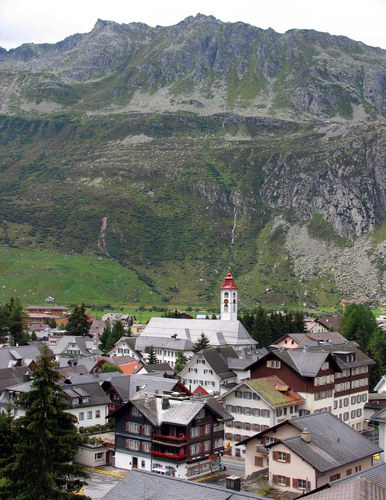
195 405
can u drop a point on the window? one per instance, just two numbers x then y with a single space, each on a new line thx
345 402
218 443
133 427
206 445
239 409
143 464
99 456
359 412
334 477
207 429
201 413
282 480
364 397
146 447
246 426
255 396
353 413
194 449
358 468
265 413
238 394
133 444
325 365
281 456
259 461
348 472
359 397
81 416
134 411
301 484
268 440
335 405
273 363
89 415
194 432
146 430
97 414
346 416
353 400
247 395
256 412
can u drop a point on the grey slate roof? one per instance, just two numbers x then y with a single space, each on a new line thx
333 443
141 485
376 474
216 357
21 354
354 488
158 367
306 363
127 386
95 392
83 344
379 416
12 376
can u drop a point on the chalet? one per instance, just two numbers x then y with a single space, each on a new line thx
299 340
256 405
125 346
170 434
126 364
160 369
331 378
308 452
209 369
124 388
19 355
75 345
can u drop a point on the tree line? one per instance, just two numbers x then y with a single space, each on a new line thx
267 328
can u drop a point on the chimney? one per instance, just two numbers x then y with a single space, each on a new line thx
165 403
306 435
26 377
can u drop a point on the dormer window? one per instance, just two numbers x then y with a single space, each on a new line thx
86 399
75 401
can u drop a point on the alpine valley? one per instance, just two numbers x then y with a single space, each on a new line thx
137 163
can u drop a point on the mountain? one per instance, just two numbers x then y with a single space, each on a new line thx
174 151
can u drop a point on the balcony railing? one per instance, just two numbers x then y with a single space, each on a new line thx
170 456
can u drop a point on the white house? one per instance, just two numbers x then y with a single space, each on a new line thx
257 405
209 369
381 386
125 346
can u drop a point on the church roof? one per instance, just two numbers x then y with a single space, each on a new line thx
229 283
219 332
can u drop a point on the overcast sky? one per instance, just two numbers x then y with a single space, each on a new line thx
52 20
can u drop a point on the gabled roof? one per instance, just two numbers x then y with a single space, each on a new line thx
127 386
180 411
353 488
311 339
333 443
159 367
271 389
152 486
330 322
84 344
12 376
380 383
23 355
380 415
217 359
94 392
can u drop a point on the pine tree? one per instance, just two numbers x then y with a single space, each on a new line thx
260 328
299 322
201 343
152 358
181 361
47 440
104 337
78 323
16 321
117 332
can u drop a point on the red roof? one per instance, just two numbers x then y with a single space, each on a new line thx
200 390
229 283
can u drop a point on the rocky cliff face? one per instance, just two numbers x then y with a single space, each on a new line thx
197 145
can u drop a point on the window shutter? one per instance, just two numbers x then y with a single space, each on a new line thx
288 481
127 426
294 483
308 485
274 479
127 444
288 457
274 455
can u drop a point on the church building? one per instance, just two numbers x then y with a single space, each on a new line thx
170 335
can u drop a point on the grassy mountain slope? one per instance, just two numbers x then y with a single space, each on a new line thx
173 152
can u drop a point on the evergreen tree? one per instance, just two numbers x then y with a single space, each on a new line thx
299 322
117 332
8 438
152 358
377 351
33 336
78 323
181 361
260 328
358 323
16 322
41 465
104 337
52 323
201 343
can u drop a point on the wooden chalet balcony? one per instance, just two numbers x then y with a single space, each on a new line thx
176 441
177 457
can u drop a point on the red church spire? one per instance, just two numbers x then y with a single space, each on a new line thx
229 282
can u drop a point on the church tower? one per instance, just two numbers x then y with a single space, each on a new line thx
229 299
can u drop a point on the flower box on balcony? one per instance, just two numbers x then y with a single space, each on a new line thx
174 438
238 426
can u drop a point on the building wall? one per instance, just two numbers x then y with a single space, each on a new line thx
198 373
296 468
123 349
362 464
91 457
86 421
